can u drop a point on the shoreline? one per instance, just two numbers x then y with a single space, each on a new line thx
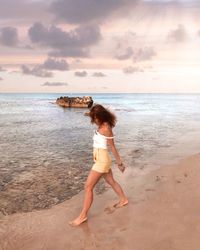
162 213
54 150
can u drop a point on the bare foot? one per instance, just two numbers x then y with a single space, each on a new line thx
121 203
77 221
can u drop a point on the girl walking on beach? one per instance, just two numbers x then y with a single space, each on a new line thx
102 139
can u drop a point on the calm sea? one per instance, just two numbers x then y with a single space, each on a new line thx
152 129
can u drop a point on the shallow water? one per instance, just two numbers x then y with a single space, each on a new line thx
47 149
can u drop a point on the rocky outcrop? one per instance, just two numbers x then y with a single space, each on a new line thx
75 102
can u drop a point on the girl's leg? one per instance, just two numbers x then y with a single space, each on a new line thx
117 188
92 179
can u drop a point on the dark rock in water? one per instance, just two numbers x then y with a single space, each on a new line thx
75 102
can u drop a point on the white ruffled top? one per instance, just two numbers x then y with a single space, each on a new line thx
100 141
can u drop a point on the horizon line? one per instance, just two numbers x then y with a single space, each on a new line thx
70 93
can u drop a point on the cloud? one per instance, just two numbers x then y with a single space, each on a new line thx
24 10
70 52
52 84
137 54
42 70
74 43
98 74
143 54
80 73
9 36
131 70
2 69
178 35
79 11
29 47
173 3
52 64
36 71
125 55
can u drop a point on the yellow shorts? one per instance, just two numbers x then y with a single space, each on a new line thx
102 160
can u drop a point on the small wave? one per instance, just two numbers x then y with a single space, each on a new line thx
126 110
114 108
23 122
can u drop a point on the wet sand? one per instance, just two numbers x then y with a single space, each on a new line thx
162 214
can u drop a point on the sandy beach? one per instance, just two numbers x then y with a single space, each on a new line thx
162 214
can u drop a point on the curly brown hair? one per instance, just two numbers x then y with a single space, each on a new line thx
102 114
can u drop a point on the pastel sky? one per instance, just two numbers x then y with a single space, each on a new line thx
100 46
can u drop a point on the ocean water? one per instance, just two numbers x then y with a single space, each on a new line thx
36 134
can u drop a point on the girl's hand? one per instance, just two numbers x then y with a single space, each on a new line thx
121 167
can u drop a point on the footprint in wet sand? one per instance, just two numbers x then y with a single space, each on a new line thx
150 189
109 210
120 204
